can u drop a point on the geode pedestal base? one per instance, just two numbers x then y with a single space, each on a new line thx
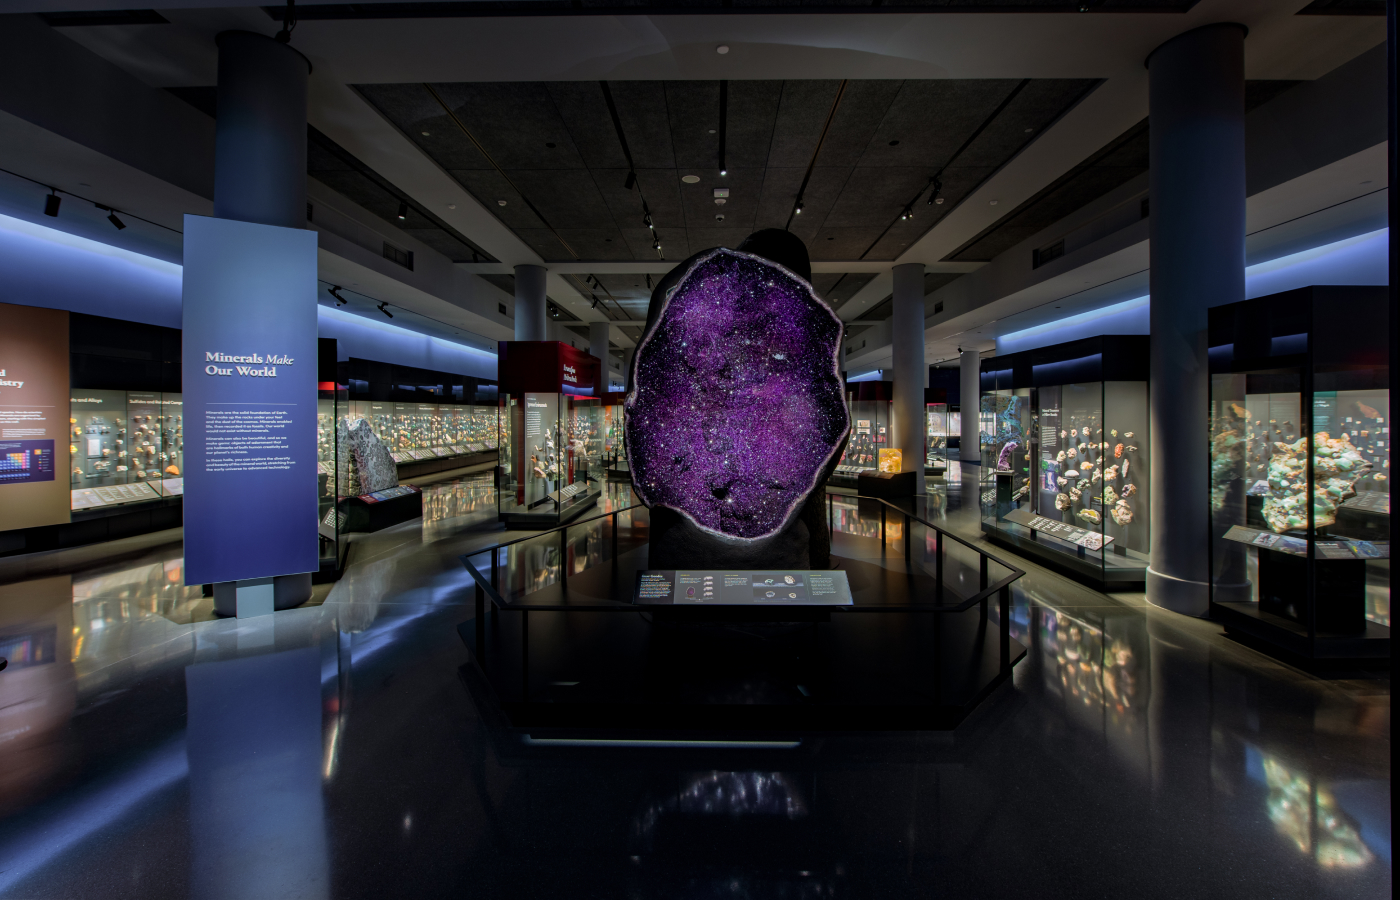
678 543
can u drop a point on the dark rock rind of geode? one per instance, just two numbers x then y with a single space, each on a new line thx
676 540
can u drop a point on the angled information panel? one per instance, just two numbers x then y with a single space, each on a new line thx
249 374
731 588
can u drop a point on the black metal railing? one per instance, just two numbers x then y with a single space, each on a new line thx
489 586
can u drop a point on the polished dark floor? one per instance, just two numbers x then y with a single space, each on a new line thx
333 751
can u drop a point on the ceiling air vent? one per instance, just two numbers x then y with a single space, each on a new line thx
395 255
1045 254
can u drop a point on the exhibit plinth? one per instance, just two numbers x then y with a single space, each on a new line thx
574 649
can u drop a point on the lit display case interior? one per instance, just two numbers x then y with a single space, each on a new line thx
125 446
1300 470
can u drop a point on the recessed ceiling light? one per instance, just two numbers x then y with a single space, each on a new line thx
994 202
500 203
691 179
722 49
712 131
451 206
1029 130
425 134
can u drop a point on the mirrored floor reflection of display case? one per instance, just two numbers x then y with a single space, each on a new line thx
1300 469
126 447
1065 469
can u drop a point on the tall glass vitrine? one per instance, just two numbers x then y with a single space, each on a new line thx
1300 471
1065 466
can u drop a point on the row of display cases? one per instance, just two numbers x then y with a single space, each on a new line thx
125 447
1299 466
870 406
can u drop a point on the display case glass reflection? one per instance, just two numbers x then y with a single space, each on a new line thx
417 431
125 447
1299 471
936 435
1065 471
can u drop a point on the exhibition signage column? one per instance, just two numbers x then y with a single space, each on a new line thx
249 378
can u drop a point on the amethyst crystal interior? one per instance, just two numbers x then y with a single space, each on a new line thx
736 408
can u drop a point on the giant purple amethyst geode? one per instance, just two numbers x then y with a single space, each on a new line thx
736 409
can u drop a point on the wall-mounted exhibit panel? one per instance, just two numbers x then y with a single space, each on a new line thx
1300 470
34 416
1065 469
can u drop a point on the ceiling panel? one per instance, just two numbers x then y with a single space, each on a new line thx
857 152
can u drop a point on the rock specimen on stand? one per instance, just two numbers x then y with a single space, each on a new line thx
736 416
1337 466
375 469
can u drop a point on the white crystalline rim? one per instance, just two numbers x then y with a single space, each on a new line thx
631 400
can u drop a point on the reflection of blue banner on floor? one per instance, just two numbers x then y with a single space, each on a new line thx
249 379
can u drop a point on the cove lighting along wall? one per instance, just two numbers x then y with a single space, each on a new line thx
52 269
1363 259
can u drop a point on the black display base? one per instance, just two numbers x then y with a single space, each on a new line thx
887 485
582 656
420 467
1078 564
1287 640
551 519
1340 589
363 516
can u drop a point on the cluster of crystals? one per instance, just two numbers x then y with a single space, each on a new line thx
1337 466
737 404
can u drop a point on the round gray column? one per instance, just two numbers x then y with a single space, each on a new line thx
598 337
1196 110
910 372
531 321
970 403
260 176
260 135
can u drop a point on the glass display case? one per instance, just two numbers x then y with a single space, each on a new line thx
869 403
614 421
935 431
551 434
125 446
1299 471
333 472
1065 470
418 431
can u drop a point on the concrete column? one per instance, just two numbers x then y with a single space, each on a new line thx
260 137
531 320
969 402
1196 106
598 337
260 176
910 371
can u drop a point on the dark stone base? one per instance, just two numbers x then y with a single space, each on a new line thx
678 543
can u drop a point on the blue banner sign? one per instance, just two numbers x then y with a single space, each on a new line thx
249 379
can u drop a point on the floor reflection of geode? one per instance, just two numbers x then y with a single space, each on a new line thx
737 407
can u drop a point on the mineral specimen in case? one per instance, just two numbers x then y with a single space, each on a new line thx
736 416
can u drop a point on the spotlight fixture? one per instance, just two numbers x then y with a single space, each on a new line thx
646 220
724 171
907 214
51 203
116 223
648 282
335 292
594 304
935 196
403 210
631 181
383 307
656 244
798 210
